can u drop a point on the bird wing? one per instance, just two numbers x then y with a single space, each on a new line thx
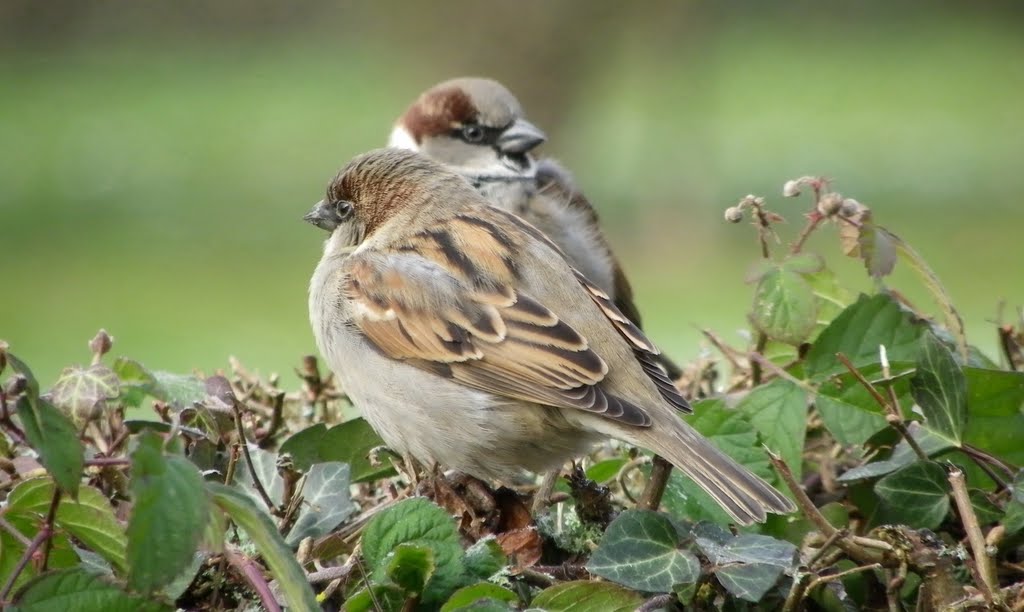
445 301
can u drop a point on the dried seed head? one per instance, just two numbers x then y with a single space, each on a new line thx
734 214
850 208
791 189
100 344
829 204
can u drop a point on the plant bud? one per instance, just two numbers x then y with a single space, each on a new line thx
829 204
733 214
101 343
791 189
850 208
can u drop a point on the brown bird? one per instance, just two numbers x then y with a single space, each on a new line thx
477 128
467 340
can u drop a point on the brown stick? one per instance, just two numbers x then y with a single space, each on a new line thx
650 498
989 583
252 574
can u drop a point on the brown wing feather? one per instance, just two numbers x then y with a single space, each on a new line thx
456 317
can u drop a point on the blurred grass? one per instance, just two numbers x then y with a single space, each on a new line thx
154 186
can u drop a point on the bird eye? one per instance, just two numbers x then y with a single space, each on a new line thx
472 133
343 208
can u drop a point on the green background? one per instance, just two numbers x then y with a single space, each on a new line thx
155 160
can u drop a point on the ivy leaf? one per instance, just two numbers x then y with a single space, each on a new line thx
90 518
170 508
327 502
916 495
778 411
257 524
902 455
417 521
52 434
586 596
784 306
748 565
640 550
84 391
940 390
79 590
857 333
350 442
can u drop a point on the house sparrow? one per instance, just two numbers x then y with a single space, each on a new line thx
467 340
476 127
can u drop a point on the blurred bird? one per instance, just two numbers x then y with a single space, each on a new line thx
477 128
468 341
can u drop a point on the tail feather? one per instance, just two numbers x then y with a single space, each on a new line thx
746 497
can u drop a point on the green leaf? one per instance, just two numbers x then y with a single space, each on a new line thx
877 249
748 565
916 495
587 596
257 524
350 442
327 502
90 519
995 400
784 306
410 567
778 411
640 550
830 295
605 471
940 390
19 367
384 598
485 558
62 554
464 599
265 465
849 411
729 430
52 434
986 511
858 331
1014 517
82 592
803 263
83 392
420 522
170 508
136 381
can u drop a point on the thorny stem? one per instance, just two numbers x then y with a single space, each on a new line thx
814 219
248 460
763 228
894 419
42 539
989 583
51 515
854 549
17 535
108 462
755 366
625 471
252 574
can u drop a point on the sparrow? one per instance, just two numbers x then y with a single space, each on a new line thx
467 340
477 128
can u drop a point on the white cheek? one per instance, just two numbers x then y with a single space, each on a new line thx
402 139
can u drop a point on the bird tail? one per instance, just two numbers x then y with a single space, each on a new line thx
746 497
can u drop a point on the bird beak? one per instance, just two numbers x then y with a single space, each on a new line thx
323 216
519 138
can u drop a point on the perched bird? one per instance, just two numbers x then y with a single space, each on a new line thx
467 340
477 128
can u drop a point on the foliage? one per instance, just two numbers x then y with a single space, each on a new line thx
131 488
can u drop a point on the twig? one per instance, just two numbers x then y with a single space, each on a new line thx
17 535
813 220
755 366
248 460
854 550
989 582
891 417
254 576
758 358
656 603
628 469
843 574
108 462
650 498
276 418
